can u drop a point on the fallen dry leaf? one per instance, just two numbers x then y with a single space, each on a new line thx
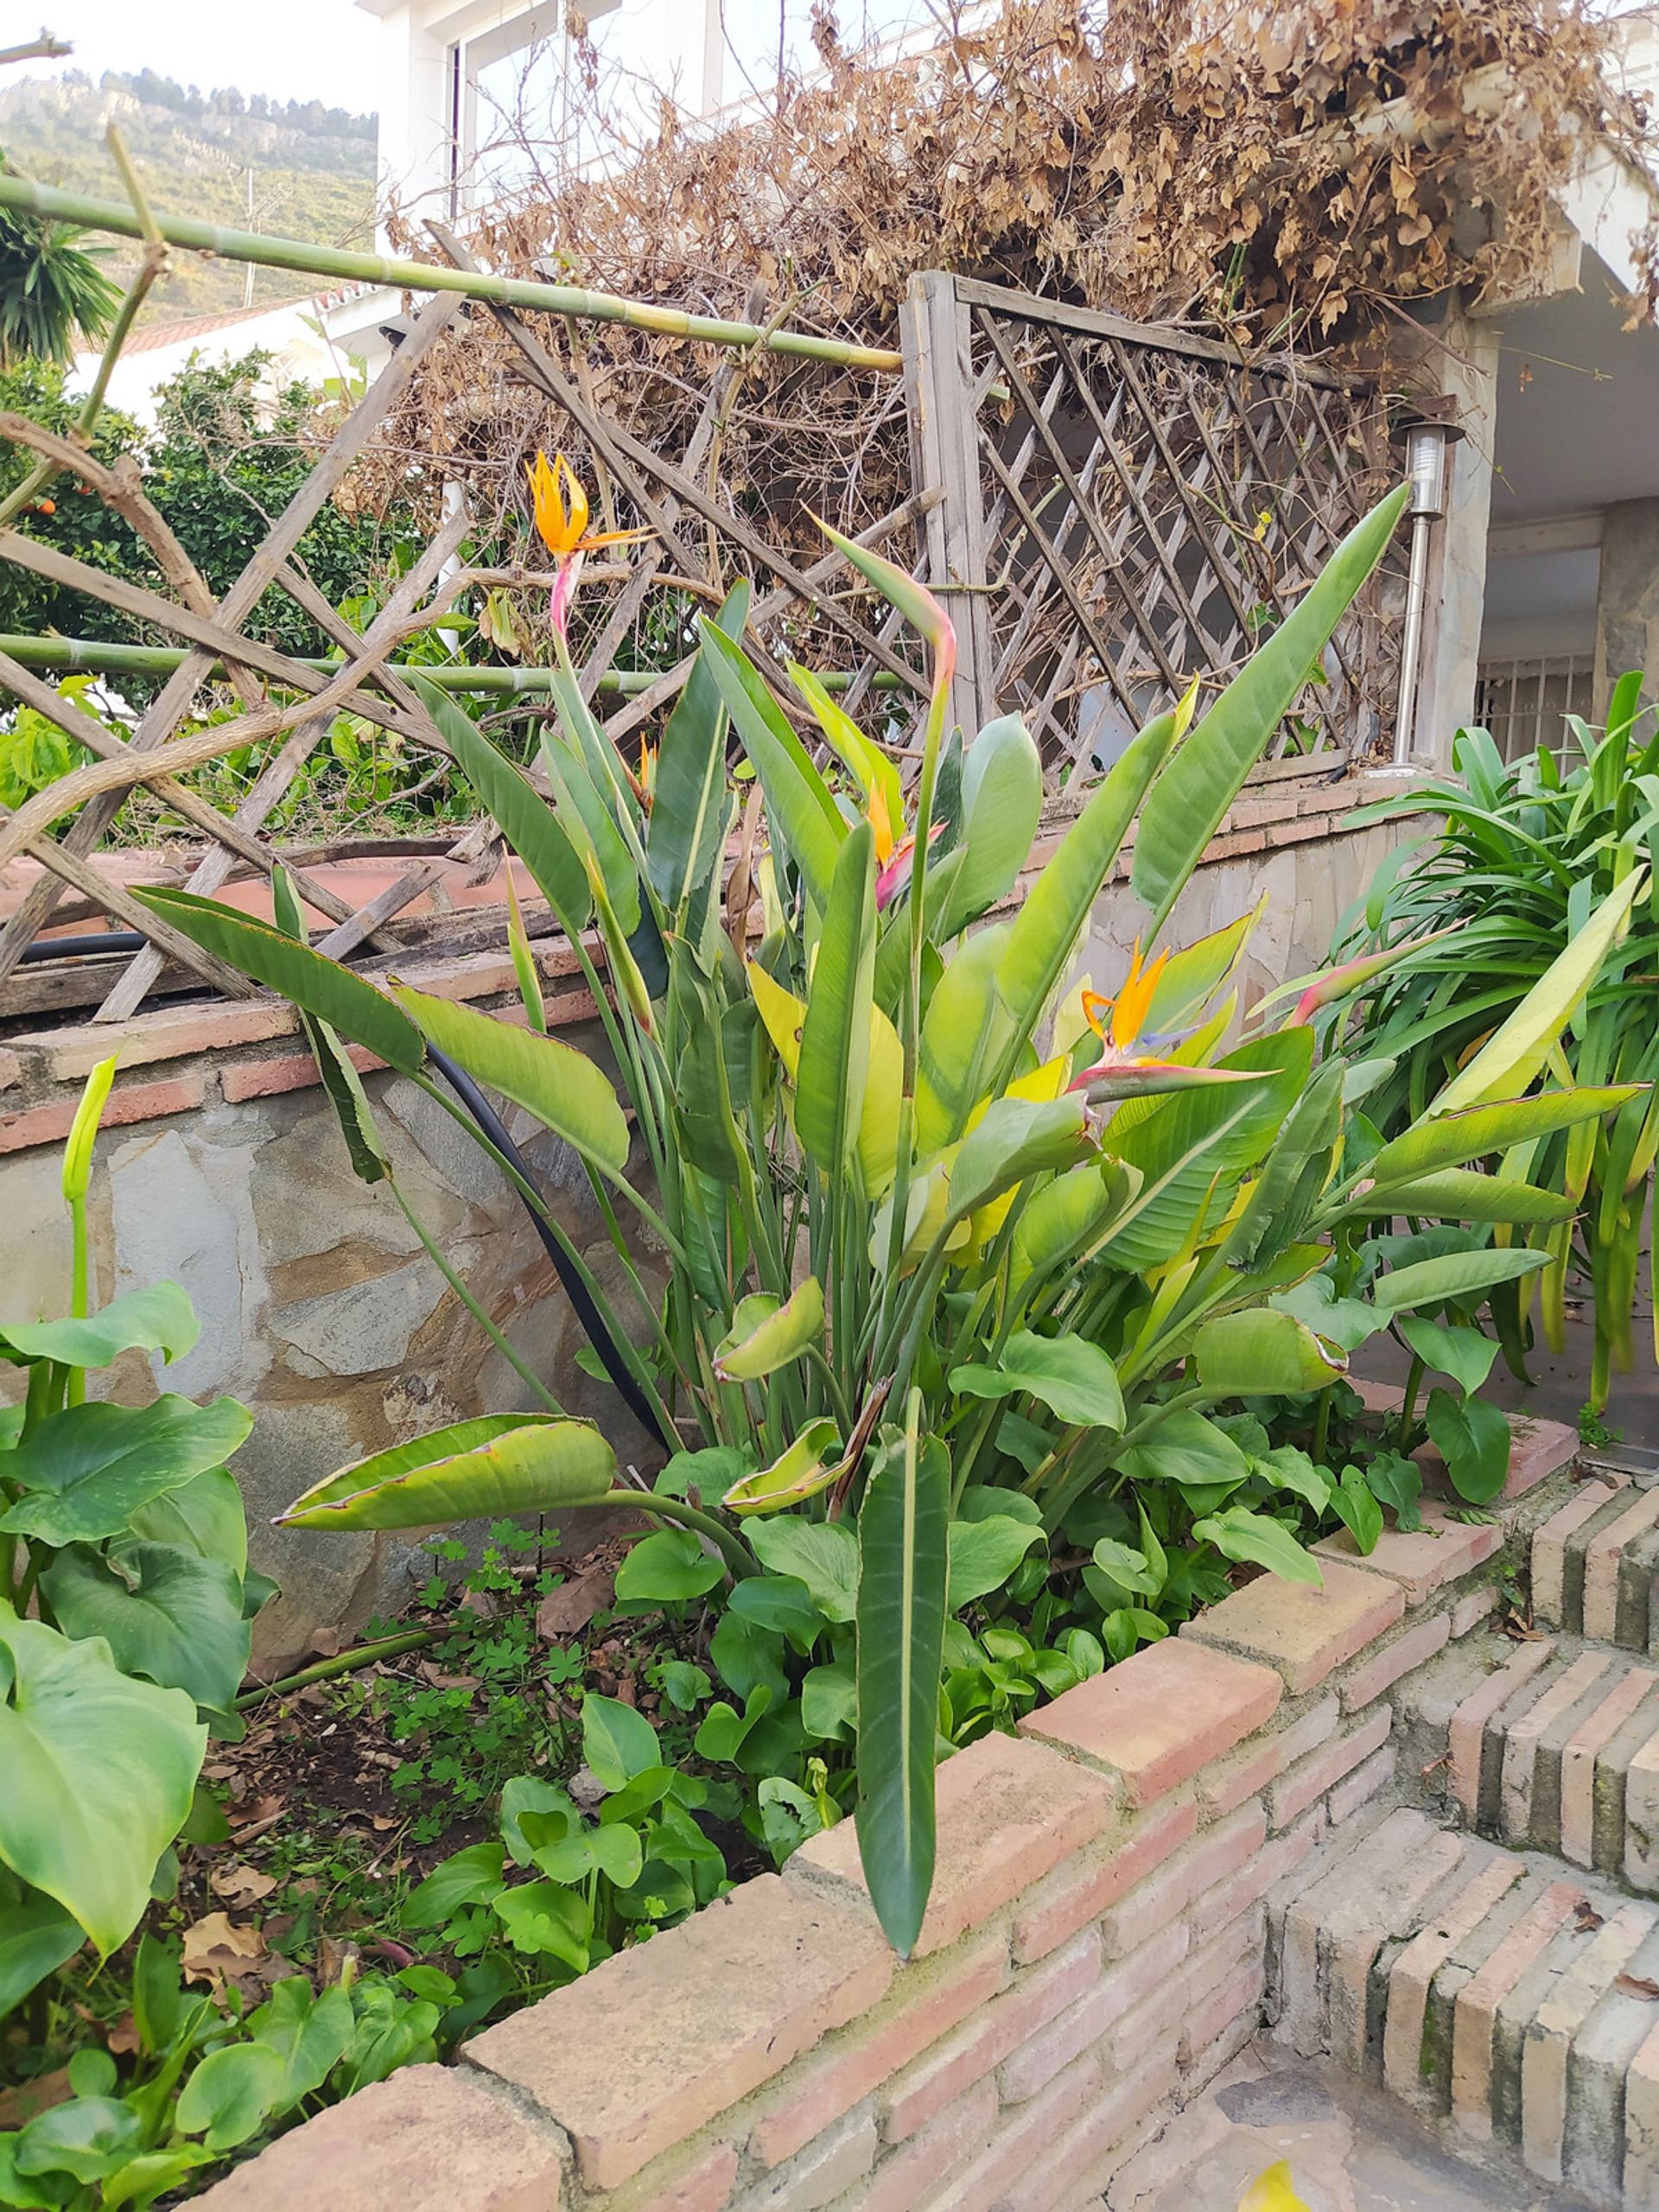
567 1610
1638 1985
1586 1919
19 2105
247 1821
240 1886
122 2040
216 1950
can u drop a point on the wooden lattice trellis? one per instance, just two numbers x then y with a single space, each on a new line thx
1108 511
1129 507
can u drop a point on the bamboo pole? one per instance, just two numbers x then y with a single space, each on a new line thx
27 196
108 658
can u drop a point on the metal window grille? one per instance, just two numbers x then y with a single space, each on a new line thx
1524 702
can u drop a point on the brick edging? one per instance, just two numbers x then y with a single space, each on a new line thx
1094 1949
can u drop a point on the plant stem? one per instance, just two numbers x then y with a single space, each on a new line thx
344 1662
520 1366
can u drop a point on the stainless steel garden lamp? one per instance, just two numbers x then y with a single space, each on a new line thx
1428 438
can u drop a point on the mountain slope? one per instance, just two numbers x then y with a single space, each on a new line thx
313 171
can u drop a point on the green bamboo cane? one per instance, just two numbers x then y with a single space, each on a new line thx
345 266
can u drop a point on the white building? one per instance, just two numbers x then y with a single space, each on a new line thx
332 334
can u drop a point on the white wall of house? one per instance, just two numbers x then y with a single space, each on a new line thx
302 337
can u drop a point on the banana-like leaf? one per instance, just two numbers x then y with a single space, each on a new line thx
341 1084
1013 1139
782 1014
523 961
1191 799
1258 1352
688 810
866 762
315 985
964 1032
1453 1275
798 806
1189 979
904 1551
524 819
1449 1139
878 1125
1460 1194
474 1471
900 589
1043 933
836 1035
1512 1057
766 1335
562 1087
586 814
1063 1217
1001 803
802 1472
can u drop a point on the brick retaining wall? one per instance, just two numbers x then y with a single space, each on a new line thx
1094 1951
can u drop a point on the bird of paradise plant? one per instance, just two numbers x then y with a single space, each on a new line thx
957 1278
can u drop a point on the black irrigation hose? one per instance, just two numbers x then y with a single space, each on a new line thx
66 948
587 1313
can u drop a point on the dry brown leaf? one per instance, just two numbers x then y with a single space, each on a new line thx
567 1610
19 2105
1638 1985
1586 1919
240 1886
216 1950
122 2040
247 1821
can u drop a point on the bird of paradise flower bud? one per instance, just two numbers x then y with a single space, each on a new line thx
1122 1073
561 512
894 857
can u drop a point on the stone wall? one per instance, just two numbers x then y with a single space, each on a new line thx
1095 1949
220 1167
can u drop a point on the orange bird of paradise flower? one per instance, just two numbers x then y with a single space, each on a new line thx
1121 1072
562 515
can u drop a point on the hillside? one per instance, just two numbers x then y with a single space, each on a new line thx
313 170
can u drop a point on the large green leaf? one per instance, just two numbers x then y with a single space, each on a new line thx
1013 1139
1186 1447
524 819
1259 1352
166 1614
1050 921
1449 1139
205 1515
904 1565
99 1772
157 1319
562 1087
1453 1275
1464 1354
1511 1058
798 806
801 1471
964 1032
766 1335
1474 1440
1001 803
687 811
84 1473
824 1554
1207 774
318 985
835 1034
1460 1194
984 1553
475 1470
1071 1376
36 1937
1239 1534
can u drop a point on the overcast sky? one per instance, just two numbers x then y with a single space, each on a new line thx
296 49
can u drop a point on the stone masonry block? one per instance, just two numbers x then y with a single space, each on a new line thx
1380 1670
926 2001
1123 1986
1218 1854
1602 1556
1159 1717
1581 1753
1419 1559
1009 1811
913 2098
1467 1727
1641 2177
1421 1960
659 2040
1345 1894
1086 1886
1296 1789
1306 1633
431 2138
1549 1543
1523 1820
1642 1818
1551 2030
1474 2017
